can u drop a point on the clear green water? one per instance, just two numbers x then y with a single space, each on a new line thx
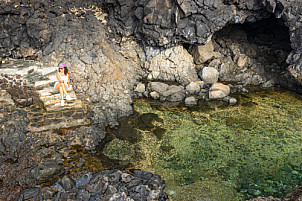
217 152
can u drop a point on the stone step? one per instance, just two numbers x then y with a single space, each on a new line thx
50 81
63 124
48 91
47 71
55 106
49 99
16 71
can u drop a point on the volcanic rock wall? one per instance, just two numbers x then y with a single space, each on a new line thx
164 23
110 45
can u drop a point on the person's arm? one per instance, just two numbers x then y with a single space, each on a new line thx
59 78
68 79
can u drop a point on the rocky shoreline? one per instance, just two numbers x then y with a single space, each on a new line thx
111 47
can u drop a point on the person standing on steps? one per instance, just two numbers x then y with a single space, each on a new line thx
63 82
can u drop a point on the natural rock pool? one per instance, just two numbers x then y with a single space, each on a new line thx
213 151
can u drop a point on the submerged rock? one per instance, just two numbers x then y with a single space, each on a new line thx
118 149
190 100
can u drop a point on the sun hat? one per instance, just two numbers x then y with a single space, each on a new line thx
62 65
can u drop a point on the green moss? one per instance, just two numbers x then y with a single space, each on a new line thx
118 150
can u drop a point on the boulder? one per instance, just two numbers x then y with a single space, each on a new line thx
194 87
202 53
173 93
157 86
140 88
29 193
67 182
154 95
47 171
190 100
209 75
219 90
173 89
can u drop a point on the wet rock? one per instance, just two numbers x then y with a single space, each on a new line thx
117 196
218 91
190 100
83 195
139 191
230 100
134 182
142 174
153 195
126 177
67 182
111 190
98 186
29 193
47 171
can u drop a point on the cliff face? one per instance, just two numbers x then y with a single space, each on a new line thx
111 44
164 23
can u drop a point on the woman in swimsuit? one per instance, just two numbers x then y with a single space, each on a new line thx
63 82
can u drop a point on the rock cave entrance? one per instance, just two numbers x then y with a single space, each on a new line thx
251 53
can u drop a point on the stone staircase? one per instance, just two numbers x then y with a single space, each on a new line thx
53 116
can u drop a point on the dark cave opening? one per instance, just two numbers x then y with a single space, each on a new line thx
270 32
252 53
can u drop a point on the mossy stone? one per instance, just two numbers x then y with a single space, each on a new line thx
118 150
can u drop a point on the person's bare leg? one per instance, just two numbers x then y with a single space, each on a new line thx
64 89
59 87
62 93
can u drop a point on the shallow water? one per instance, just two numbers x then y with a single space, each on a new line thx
213 151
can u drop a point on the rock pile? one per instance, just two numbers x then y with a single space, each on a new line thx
189 94
106 185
